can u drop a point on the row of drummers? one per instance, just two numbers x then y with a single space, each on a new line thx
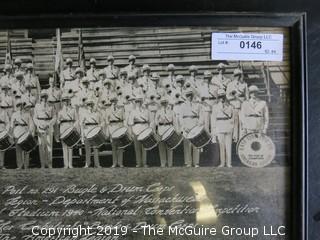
124 111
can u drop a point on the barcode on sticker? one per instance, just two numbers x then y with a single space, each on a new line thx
247 46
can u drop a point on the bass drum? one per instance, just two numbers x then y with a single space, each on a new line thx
148 139
71 137
121 138
6 141
27 142
96 137
199 137
256 150
171 138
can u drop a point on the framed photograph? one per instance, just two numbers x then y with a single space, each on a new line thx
153 126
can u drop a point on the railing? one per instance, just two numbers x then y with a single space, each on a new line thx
266 78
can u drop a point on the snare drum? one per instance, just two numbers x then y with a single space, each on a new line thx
96 137
70 137
27 142
121 138
171 138
148 139
6 141
199 137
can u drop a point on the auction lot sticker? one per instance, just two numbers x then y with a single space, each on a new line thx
247 46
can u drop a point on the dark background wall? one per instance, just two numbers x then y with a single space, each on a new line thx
26 7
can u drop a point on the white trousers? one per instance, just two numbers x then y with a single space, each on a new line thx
191 153
45 148
225 144
166 155
117 156
67 155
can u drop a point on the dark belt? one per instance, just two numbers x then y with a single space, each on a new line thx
6 107
254 115
91 124
66 121
224 118
115 121
57 101
209 98
33 87
162 124
140 122
45 119
2 122
190 116
21 124
69 80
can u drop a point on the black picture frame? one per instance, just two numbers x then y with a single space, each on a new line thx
296 22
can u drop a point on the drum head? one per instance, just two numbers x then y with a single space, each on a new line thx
119 132
3 134
145 133
256 150
66 132
167 133
93 132
194 132
23 137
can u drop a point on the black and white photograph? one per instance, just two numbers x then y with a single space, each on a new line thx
138 126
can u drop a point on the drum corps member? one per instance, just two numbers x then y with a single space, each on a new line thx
18 65
44 119
208 94
220 80
21 123
254 114
143 81
29 99
90 119
194 78
67 118
8 77
190 119
54 100
170 80
92 73
132 69
31 79
6 101
18 87
111 71
237 92
139 121
222 122
67 77
165 119
114 120
4 127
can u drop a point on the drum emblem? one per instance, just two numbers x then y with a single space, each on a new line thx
256 150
